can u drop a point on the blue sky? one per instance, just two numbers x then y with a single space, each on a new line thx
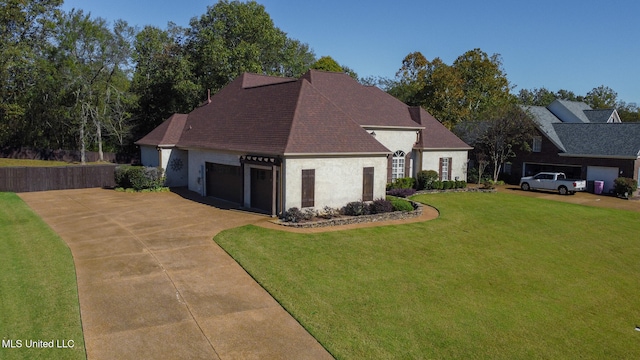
561 44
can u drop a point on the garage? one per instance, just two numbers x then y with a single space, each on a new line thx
261 189
224 182
603 173
571 171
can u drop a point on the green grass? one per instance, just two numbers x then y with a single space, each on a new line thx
38 291
496 276
4 162
28 162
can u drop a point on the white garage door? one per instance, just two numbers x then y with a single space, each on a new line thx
608 174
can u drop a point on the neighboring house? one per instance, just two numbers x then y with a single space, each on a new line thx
272 143
581 142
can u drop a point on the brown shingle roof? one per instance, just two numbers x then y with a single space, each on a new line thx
166 134
435 135
367 105
286 117
320 113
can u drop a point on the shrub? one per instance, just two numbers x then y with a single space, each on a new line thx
293 215
425 179
400 204
355 208
437 185
461 184
488 184
446 185
380 206
625 186
328 213
309 213
402 183
401 192
139 177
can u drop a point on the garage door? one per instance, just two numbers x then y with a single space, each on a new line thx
261 189
224 182
603 173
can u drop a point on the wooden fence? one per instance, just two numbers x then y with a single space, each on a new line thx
27 179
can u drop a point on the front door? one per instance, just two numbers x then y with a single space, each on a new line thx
261 189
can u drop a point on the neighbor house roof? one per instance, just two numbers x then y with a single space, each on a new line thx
600 139
601 115
586 132
166 134
435 135
319 113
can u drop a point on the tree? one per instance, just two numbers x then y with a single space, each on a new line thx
536 97
484 83
25 27
602 97
628 112
93 60
327 63
163 79
234 37
466 90
496 139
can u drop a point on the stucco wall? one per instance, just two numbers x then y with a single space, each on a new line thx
197 159
431 161
149 156
338 180
395 140
175 163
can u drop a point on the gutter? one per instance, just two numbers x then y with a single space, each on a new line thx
621 157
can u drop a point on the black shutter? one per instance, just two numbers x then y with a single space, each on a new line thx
367 184
308 187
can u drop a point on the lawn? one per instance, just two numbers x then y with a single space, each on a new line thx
496 276
38 291
4 162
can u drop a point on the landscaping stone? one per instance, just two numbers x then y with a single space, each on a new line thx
346 220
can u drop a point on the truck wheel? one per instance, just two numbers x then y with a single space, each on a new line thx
525 187
563 190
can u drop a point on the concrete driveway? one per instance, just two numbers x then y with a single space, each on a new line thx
153 285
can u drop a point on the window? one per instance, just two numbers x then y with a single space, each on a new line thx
445 169
537 144
397 166
367 184
308 188
507 168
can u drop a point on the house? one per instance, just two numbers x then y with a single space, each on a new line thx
581 142
272 143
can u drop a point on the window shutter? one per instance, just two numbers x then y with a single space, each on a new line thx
308 187
440 170
389 168
407 165
450 169
367 184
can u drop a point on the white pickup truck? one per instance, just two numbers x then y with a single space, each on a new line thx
552 181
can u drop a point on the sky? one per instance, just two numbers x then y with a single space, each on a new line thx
560 44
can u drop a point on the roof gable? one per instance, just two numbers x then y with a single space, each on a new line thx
544 120
366 105
434 135
319 126
569 111
166 134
